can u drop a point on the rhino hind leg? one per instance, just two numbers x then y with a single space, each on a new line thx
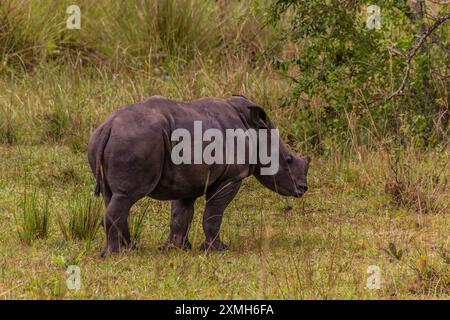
216 202
116 225
181 217
106 195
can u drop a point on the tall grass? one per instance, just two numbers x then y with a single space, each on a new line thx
136 221
57 84
413 185
84 218
118 34
8 134
32 217
153 30
29 32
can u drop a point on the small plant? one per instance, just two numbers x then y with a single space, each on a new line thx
32 218
84 218
65 263
431 270
393 253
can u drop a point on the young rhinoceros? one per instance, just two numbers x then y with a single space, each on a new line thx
132 156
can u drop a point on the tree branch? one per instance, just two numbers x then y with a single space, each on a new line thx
413 51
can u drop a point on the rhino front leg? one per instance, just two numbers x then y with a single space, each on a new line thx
116 225
216 202
180 223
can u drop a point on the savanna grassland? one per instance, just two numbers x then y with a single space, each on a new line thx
378 182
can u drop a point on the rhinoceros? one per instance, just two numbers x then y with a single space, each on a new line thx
130 155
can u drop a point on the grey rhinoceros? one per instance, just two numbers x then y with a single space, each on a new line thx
130 156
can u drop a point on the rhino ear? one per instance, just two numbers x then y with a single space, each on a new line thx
258 117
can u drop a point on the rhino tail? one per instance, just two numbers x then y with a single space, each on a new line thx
100 177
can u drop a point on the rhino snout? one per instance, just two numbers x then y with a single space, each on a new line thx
300 190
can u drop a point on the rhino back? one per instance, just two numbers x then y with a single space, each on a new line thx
141 134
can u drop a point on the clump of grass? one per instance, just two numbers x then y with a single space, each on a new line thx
8 132
84 218
159 29
185 26
77 144
28 32
32 218
130 34
136 222
419 186
57 123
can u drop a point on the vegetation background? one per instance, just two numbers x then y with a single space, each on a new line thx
371 105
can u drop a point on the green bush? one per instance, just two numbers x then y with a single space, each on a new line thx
347 77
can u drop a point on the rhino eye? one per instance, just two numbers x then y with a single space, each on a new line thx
289 159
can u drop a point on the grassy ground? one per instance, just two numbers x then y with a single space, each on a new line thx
316 247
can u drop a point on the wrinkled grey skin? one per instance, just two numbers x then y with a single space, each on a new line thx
130 156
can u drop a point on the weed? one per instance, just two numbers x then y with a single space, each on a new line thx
65 263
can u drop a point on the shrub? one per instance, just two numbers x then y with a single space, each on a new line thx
391 82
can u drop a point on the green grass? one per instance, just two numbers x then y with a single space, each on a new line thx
85 215
136 221
316 247
32 217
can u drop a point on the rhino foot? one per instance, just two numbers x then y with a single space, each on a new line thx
112 250
169 245
215 245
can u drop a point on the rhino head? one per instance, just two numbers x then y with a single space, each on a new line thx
290 178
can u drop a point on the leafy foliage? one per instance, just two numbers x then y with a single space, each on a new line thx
346 70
